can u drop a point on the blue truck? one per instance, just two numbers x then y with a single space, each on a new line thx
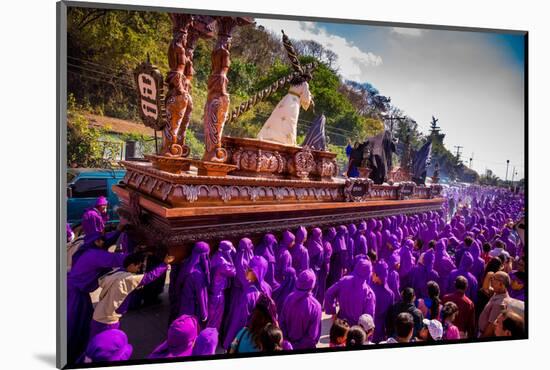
85 185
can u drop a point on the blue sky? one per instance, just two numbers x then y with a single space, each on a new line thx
472 81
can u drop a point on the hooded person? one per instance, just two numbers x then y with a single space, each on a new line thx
193 281
372 240
422 273
300 317
300 257
206 342
360 240
315 250
285 288
108 346
447 232
94 219
443 264
478 266
384 298
378 233
283 258
407 262
350 241
391 244
511 247
394 264
352 293
245 252
180 339
325 267
256 286
466 263
90 262
266 249
222 272
339 260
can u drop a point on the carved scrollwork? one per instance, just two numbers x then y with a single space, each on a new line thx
357 190
302 163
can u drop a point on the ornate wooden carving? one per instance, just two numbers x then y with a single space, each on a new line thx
406 190
177 98
257 158
217 103
357 190
301 164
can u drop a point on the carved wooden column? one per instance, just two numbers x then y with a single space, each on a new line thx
177 97
217 104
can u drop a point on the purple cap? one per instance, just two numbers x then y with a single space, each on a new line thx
109 345
306 280
101 201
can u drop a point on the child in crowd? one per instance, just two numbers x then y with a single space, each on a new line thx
338 333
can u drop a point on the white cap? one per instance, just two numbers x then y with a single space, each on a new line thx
366 322
435 328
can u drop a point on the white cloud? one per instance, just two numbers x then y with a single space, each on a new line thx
351 60
407 31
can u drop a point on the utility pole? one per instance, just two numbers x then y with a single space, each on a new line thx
471 160
514 173
458 147
507 164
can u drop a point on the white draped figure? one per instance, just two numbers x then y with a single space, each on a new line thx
282 125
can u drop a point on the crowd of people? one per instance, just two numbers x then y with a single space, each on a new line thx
457 273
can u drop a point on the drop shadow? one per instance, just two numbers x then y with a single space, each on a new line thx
46 358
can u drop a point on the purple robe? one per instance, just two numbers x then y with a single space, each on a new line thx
222 272
283 258
339 260
300 257
478 267
466 263
354 296
93 221
266 249
443 264
81 281
245 252
372 240
384 300
247 302
285 288
422 273
394 261
314 246
350 243
193 281
301 314
407 263
325 267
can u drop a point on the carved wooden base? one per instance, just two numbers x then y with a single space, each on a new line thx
194 190
213 168
174 164
258 158
180 227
